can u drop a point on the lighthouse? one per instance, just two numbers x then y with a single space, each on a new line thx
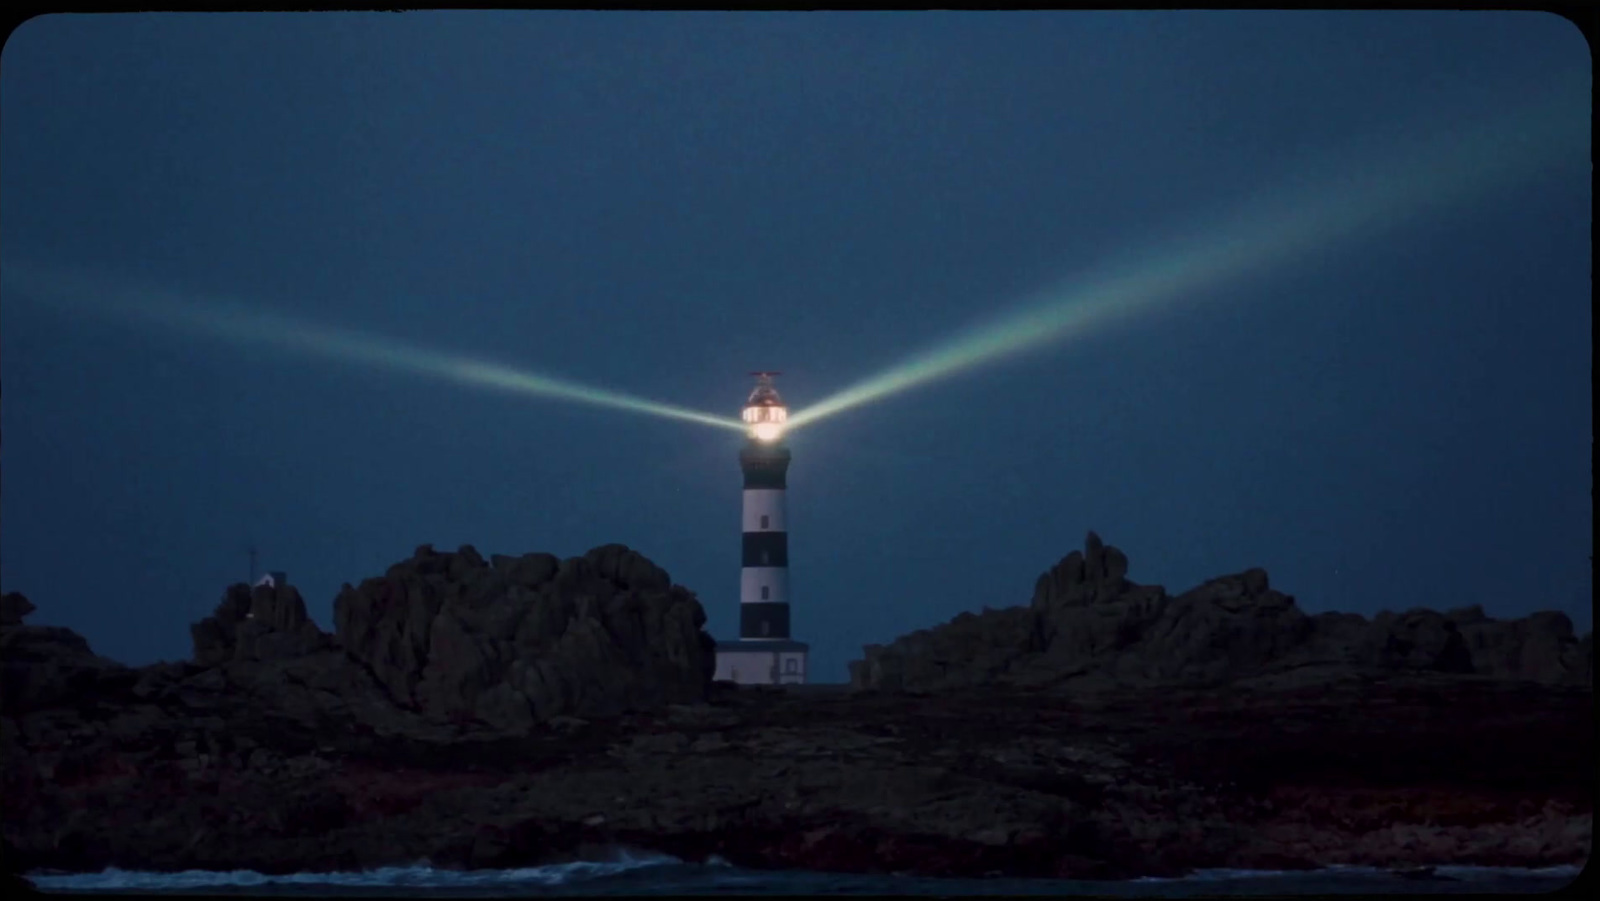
764 654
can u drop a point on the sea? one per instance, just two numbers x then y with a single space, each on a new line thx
642 873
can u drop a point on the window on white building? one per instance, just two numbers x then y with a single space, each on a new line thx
763 522
766 592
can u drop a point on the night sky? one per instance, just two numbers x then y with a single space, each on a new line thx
1386 413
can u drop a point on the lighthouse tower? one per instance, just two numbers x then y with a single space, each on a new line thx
764 653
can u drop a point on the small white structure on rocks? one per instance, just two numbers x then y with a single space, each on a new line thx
276 579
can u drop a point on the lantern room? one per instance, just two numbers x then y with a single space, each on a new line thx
764 412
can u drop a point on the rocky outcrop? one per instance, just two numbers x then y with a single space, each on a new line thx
1227 627
970 649
1404 772
261 645
1541 646
517 640
282 750
1090 626
452 638
14 608
266 622
44 665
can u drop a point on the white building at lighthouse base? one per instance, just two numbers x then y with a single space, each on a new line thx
755 661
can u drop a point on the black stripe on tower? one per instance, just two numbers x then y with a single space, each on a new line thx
764 465
765 549
764 620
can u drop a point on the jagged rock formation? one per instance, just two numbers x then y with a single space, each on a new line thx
1090 626
441 642
284 749
453 638
261 645
524 639
13 608
1539 647
43 665
261 623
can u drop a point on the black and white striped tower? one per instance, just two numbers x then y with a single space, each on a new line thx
764 573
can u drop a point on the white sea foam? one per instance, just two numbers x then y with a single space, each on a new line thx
1564 871
417 876
422 878
1339 870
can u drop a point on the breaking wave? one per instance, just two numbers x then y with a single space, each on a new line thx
645 873
419 876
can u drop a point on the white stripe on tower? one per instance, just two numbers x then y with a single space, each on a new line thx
764 585
763 510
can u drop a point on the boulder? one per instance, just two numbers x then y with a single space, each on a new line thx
1084 613
1226 628
266 622
514 641
14 607
624 567
1089 624
1336 639
1419 640
1540 647
972 649
1094 576
45 666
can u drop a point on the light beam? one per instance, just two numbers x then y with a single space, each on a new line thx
1286 225
231 321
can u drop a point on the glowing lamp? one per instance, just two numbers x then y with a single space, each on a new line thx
764 412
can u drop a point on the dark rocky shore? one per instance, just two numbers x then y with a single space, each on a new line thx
523 710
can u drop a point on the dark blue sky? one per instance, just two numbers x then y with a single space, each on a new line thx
658 203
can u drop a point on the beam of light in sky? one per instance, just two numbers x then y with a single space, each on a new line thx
218 319
1284 226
